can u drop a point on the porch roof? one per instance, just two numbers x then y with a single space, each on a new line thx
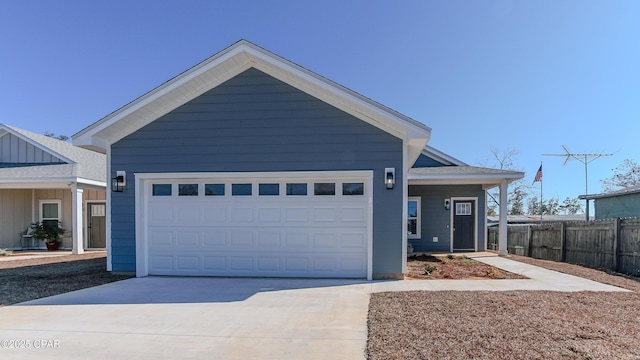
461 175
82 166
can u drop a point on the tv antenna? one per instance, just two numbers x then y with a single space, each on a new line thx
585 159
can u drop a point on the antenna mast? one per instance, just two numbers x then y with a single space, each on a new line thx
585 159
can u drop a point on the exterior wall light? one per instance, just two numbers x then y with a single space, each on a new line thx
447 204
119 182
389 177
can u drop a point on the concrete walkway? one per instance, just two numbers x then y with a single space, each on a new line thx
223 318
26 255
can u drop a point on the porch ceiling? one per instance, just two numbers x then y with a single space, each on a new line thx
461 175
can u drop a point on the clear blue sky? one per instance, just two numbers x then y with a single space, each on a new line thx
529 75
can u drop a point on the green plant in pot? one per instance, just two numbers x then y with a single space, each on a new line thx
49 232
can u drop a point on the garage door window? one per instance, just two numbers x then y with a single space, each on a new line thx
269 189
296 189
214 189
324 188
352 188
161 189
188 190
241 189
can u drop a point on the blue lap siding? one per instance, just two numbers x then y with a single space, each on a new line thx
435 219
257 123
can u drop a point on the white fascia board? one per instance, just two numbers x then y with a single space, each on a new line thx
100 185
441 157
336 95
36 184
460 179
154 104
222 67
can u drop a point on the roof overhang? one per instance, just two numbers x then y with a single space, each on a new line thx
462 175
51 183
623 192
225 65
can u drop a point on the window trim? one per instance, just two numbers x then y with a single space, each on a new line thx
418 217
50 201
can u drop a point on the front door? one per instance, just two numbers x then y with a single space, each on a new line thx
464 221
96 226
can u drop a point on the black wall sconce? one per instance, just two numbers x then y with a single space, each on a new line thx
119 182
389 177
447 204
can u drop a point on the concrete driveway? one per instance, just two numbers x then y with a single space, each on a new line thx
223 318
192 318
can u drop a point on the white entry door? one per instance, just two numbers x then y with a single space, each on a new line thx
262 224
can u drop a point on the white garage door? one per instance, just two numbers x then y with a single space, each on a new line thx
264 225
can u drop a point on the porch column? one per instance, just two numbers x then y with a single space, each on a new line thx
76 215
502 225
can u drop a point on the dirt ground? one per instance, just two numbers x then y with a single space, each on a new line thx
427 267
23 280
509 325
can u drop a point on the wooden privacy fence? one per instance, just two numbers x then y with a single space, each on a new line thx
609 244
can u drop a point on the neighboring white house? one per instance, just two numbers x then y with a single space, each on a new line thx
43 178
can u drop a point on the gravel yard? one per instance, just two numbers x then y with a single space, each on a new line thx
508 325
23 280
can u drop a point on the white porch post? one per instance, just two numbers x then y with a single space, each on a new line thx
502 225
76 214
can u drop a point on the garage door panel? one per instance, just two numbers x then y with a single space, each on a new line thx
187 238
160 238
214 238
269 239
269 215
323 265
187 263
296 215
270 236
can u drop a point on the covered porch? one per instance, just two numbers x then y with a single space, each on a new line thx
447 207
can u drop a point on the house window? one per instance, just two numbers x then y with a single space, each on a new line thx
187 189
352 188
268 189
413 218
214 189
463 208
240 189
50 212
296 189
161 189
324 188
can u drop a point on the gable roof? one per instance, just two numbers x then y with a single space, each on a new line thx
79 165
225 65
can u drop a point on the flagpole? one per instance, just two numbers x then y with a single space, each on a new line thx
541 195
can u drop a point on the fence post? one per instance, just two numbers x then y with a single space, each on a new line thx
529 239
616 247
563 242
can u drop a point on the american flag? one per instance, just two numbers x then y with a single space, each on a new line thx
538 175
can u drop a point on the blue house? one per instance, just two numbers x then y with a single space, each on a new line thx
250 165
624 203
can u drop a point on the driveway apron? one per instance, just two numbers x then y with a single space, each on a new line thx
199 318
227 318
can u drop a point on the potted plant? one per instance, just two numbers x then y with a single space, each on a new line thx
49 233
